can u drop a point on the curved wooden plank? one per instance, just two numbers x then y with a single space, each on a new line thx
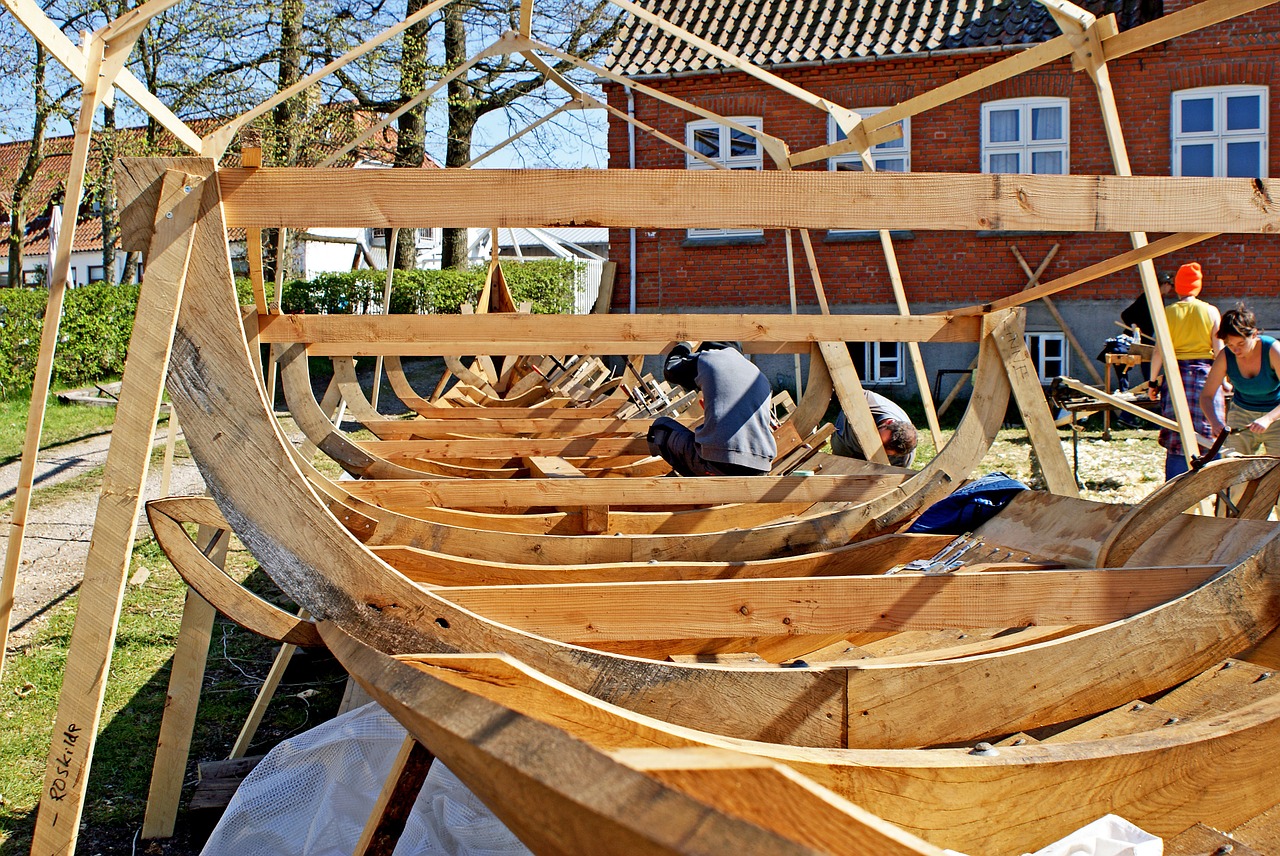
1177 495
209 581
1216 770
575 798
295 381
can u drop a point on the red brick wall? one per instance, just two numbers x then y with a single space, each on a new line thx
954 268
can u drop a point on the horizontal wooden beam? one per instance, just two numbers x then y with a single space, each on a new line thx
584 612
360 335
514 447
427 429
677 199
663 490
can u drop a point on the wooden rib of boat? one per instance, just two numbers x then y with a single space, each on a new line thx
1200 753
323 567
605 402
296 384
402 499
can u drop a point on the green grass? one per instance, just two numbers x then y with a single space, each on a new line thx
134 703
62 423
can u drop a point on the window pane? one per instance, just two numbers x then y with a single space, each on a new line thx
1197 115
1002 126
706 141
899 143
741 144
1046 163
1197 160
891 164
839 133
849 165
1244 113
1003 163
1046 123
1244 160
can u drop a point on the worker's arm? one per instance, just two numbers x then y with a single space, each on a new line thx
1262 423
1153 386
1217 374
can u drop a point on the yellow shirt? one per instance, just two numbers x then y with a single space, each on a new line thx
1191 328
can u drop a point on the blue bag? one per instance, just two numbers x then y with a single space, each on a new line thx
968 507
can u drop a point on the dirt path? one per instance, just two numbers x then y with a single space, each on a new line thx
58 530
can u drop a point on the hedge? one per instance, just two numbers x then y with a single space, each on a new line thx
93 337
97 319
546 283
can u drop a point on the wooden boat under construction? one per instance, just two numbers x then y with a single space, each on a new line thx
1143 599
1221 599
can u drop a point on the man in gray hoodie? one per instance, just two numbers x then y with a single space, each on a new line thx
736 436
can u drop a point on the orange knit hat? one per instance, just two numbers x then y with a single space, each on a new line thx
1188 280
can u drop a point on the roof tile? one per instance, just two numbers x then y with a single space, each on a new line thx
775 32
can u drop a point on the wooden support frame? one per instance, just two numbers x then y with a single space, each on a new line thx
511 333
1036 417
182 200
181 701
1062 322
103 64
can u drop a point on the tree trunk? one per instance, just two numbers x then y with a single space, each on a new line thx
462 122
411 128
107 195
22 184
284 140
130 274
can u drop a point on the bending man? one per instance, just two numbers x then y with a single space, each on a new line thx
736 436
896 432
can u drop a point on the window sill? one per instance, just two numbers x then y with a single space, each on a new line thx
723 241
862 236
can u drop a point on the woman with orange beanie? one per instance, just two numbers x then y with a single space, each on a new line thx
1193 327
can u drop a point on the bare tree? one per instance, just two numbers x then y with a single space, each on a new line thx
45 107
581 29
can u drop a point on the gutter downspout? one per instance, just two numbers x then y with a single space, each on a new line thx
631 164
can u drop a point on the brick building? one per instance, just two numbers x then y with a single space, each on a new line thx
1198 105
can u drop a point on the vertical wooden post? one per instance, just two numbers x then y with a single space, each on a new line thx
251 158
399 792
1092 56
265 693
1041 430
791 292
393 246
99 74
183 698
106 567
171 441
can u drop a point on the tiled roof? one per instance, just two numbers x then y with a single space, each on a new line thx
777 32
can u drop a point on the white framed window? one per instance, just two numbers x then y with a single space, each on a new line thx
97 273
890 156
379 237
1049 353
1220 131
731 147
425 238
1028 135
879 362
